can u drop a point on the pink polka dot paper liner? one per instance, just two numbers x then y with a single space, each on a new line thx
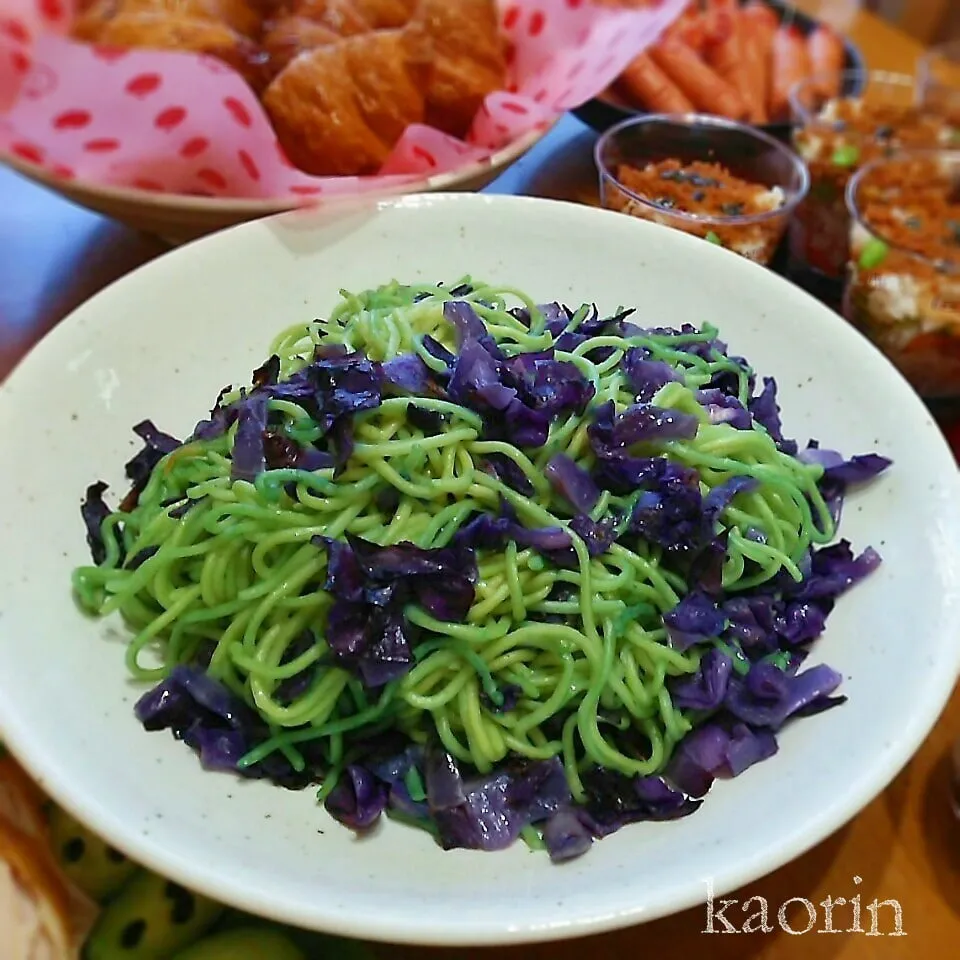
180 123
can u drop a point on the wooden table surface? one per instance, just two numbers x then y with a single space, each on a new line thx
904 847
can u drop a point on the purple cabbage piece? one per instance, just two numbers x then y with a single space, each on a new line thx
858 469
267 374
693 620
476 381
802 621
366 628
485 531
465 320
565 837
572 482
768 696
220 421
219 726
156 445
646 376
549 386
249 453
441 580
429 421
598 535
719 498
612 434
407 374
752 620
707 688
358 799
509 473
497 807
748 747
671 513
723 408
834 570
94 511
439 352
140 558
766 411
717 751
614 800
442 781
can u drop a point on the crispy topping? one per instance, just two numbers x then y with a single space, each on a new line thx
707 189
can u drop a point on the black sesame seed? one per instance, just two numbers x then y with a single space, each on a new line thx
699 196
913 223
132 934
665 202
884 132
732 209
671 175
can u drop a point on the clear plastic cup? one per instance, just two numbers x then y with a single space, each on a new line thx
746 153
905 296
938 75
836 136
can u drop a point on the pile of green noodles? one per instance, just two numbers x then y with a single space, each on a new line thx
239 572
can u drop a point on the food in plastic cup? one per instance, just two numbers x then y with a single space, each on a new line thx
836 136
715 178
903 288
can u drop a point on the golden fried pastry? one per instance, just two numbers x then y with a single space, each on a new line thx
339 109
350 17
165 32
290 36
239 15
469 59
340 16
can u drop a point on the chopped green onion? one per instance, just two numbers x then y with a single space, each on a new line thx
711 237
874 253
846 156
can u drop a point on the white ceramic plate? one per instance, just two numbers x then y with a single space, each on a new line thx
161 342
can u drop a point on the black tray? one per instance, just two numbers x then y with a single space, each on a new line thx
603 112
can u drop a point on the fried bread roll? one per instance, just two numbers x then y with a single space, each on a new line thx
239 15
164 32
339 109
288 37
469 59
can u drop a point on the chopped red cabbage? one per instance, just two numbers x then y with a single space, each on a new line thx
407 374
693 620
706 689
565 836
94 511
769 696
766 411
358 799
267 374
572 482
509 473
723 407
156 445
646 376
249 453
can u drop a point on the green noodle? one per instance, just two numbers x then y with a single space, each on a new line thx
238 571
